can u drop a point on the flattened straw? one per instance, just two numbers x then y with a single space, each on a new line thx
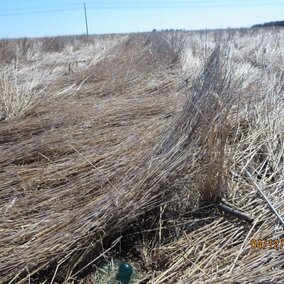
273 209
57 267
242 248
24 280
112 185
198 267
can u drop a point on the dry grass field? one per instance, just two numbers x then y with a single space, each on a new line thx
127 147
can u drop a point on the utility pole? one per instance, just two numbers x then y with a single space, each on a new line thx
86 20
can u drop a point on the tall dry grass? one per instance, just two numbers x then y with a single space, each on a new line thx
130 153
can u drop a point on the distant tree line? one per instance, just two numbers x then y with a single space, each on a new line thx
270 24
169 30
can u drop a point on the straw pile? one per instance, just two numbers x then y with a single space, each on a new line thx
129 155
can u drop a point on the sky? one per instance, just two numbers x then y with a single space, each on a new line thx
37 18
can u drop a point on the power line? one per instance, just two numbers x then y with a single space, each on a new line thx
189 2
170 6
41 7
137 5
39 12
184 3
140 3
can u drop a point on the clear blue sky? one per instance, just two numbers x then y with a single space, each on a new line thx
33 18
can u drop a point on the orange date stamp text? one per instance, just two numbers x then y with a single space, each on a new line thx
267 244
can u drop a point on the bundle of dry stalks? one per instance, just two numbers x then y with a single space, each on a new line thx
137 157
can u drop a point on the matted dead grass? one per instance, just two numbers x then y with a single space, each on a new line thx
129 155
